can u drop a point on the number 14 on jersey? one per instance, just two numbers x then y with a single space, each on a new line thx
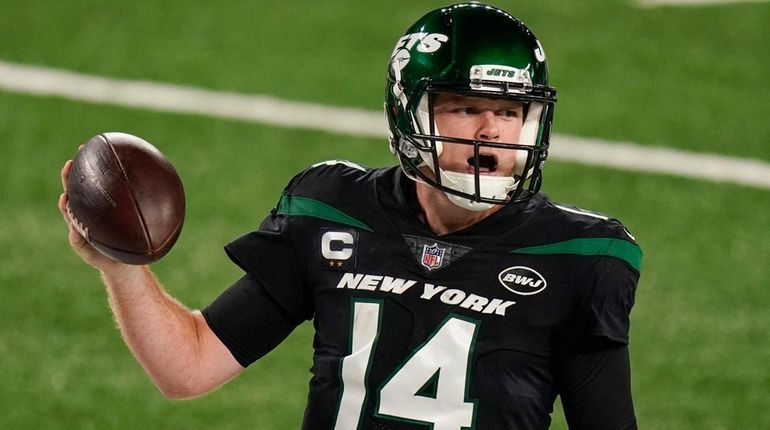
429 387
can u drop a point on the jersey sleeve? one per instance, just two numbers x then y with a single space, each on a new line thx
248 321
607 313
277 255
592 367
269 255
258 311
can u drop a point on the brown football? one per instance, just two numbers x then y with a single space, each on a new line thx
125 198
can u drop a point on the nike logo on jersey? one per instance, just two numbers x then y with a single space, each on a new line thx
430 292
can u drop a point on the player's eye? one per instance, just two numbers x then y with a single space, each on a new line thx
466 110
510 113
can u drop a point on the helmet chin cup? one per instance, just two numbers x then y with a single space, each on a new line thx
490 187
469 204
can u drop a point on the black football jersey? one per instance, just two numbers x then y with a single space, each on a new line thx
414 331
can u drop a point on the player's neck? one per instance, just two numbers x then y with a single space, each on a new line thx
444 217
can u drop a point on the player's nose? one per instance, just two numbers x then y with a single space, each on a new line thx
488 127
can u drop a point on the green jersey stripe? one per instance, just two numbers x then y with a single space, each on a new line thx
618 248
305 206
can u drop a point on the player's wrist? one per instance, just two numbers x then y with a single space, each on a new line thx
116 273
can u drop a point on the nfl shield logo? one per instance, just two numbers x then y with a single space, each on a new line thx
432 256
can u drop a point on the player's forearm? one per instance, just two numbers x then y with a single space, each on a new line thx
159 330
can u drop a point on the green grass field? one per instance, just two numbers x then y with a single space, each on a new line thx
688 78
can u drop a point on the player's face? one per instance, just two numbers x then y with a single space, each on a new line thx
478 118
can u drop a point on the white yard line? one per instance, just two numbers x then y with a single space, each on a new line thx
658 3
629 156
175 98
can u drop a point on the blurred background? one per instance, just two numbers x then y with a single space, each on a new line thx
692 78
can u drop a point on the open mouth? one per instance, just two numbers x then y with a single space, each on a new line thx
487 164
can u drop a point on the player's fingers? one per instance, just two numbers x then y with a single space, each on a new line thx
65 172
63 206
74 235
76 239
63 210
63 200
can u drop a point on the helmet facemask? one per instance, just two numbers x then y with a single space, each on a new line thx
482 186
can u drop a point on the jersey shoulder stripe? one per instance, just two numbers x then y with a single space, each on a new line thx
306 206
337 191
624 250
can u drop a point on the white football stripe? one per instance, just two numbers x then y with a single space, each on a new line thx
43 81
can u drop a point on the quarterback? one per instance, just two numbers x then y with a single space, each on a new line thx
447 292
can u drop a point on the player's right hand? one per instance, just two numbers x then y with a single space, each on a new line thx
79 244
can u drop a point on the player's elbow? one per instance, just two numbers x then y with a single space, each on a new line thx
173 393
180 391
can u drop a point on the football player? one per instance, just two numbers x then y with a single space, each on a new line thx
445 293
